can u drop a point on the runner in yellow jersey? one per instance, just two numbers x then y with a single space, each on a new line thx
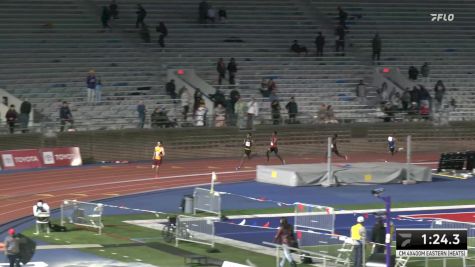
158 155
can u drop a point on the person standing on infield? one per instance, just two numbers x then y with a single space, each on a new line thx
358 235
158 155
334 147
273 148
248 142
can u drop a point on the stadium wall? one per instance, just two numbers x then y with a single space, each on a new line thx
186 143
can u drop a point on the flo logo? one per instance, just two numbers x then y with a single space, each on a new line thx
442 17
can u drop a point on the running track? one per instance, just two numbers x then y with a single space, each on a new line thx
20 190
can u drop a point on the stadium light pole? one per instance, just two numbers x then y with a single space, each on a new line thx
387 204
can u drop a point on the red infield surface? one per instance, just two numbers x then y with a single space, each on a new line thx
20 191
464 217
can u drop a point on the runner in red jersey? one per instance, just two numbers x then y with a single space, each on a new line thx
273 148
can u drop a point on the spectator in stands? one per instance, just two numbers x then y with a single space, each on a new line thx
340 39
91 82
322 113
361 92
222 15
275 111
330 115
389 111
453 104
203 11
211 14
98 91
105 17
415 95
425 71
163 31
141 14
66 116
11 116
439 92
159 119
413 73
218 98
145 33
424 110
219 116
230 108
271 86
264 90
406 99
385 93
396 101
221 69
155 118
292 110
200 114
232 69
25 110
240 109
171 89
295 47
185 97
252 112
141 110
376 43
424 96
320 43
198 97
114 9
342 16
12 248
273 96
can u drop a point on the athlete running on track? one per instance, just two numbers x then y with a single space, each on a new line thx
334 147
158 154
247 145
273 148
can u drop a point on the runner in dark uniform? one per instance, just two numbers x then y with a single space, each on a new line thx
335 148
247 144
273 148
392 145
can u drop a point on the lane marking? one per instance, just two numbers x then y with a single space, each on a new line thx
111 194
176 167
78 194
45 195
213 167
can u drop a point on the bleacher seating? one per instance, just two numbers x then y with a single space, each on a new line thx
48 47
410 37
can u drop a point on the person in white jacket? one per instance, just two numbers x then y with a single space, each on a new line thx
252 112
41 211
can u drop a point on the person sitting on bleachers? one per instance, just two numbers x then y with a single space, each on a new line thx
424 111
295 47
219 116
200 115
413 73
322 113
159 119
211 14
222 16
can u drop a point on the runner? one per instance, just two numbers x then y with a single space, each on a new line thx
392 145
335 148
158 155
248 142
273 148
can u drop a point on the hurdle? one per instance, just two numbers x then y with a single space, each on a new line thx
194 229
206 200
80 213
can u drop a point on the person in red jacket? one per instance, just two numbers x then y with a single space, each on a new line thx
11 117
273 148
